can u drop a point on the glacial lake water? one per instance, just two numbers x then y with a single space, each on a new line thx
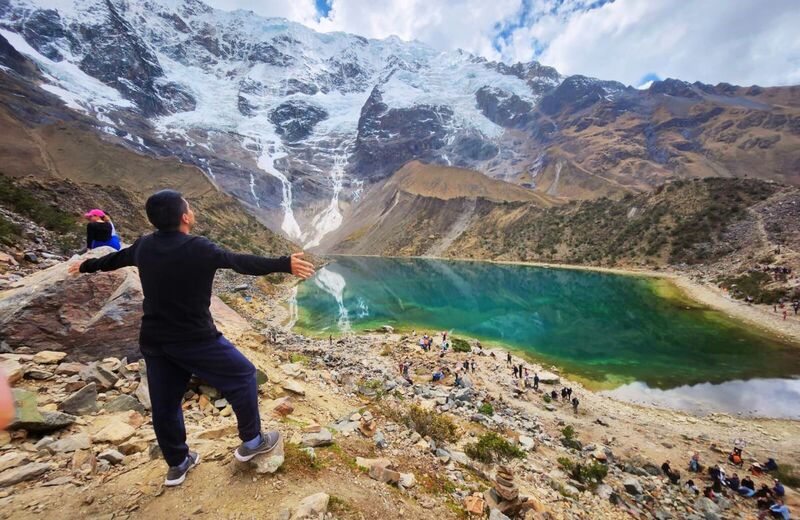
636 338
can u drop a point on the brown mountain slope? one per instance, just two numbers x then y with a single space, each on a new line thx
421 210
738 222
446 182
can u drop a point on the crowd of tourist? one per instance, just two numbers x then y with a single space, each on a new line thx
769 500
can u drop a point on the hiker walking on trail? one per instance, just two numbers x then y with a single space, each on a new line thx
100 231
178 337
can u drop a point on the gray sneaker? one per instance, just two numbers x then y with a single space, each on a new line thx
268 442
177 474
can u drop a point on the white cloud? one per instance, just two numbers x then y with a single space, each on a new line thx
741 41
464 24
738 41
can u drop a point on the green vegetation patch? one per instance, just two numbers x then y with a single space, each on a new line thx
591 474
460 345
429 423
492 447
23 202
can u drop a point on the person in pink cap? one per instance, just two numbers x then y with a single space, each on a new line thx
99 232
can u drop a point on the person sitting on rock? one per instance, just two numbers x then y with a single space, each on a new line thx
98 232
734 483
666 467
115 241
735 457
747 488
438 375
690 485
178 337
777 510
575 403
554 395
778 489
764 496
674 476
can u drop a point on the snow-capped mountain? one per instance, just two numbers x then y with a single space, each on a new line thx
298 124
280 115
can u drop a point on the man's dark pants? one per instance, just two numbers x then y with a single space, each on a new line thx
217 362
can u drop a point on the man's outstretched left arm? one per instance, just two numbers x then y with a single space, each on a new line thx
259 265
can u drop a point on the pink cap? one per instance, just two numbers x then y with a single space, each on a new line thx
95 213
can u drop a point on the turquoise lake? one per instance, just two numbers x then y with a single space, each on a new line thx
636 338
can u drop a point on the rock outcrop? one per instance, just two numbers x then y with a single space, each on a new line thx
86 317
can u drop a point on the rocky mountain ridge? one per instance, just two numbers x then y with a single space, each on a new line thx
297 124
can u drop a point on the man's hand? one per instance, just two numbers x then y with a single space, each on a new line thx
301 268
74 268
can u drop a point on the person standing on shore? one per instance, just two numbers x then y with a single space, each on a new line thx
178 337
536 381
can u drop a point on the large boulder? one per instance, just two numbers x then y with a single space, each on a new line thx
88 317
22 473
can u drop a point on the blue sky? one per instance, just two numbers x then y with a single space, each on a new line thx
634 41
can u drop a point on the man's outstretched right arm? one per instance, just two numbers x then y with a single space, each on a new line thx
111 261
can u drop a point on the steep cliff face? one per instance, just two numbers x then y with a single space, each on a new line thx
297 124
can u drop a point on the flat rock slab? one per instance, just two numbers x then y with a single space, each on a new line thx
82 402
115 432
293 386
124 403
12 459
48 357
69 444
50 421
324 437
312 507
549 378
19 474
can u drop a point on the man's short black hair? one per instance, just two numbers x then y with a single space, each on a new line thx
165 209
